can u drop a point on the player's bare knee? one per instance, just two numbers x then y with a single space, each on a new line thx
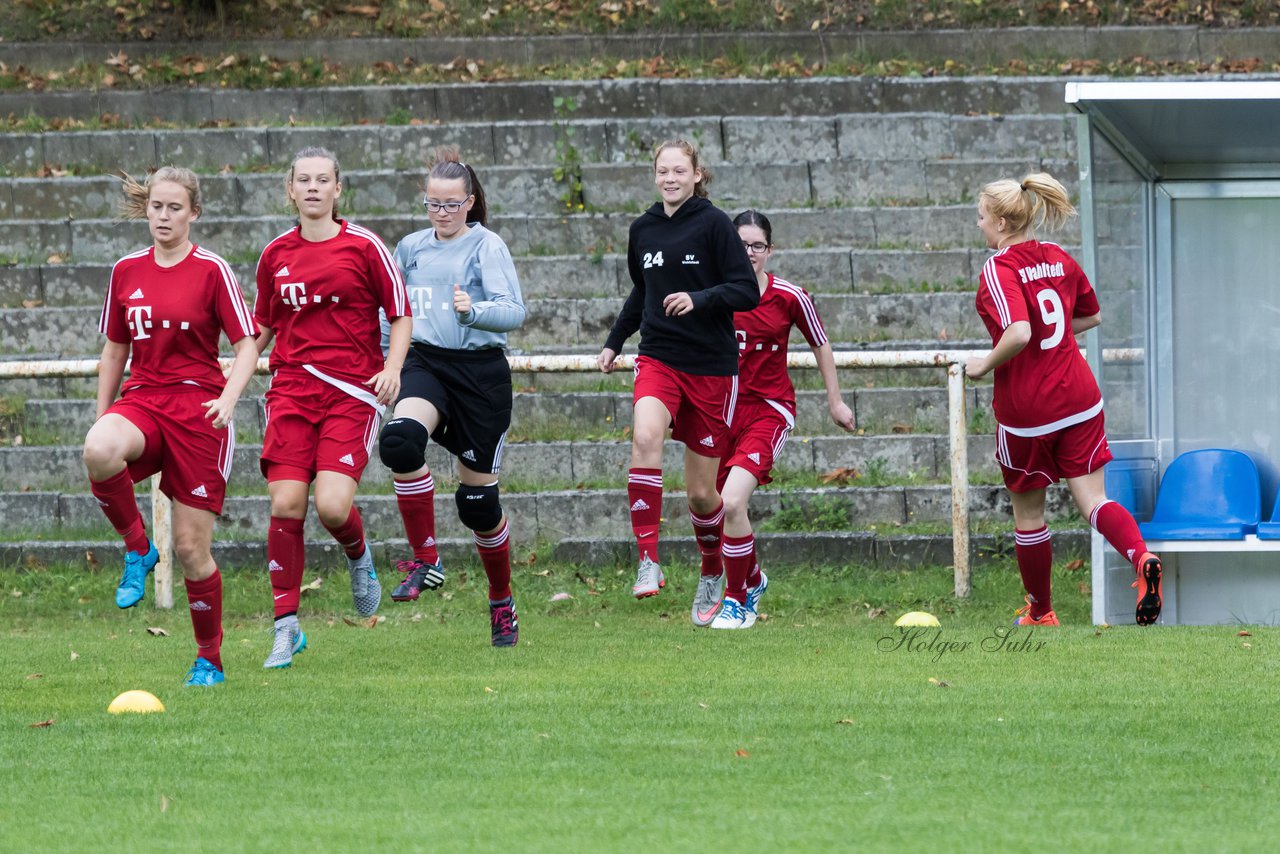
289 506
332 510
192 553
703 500
479 507
402 445
101 456
648 440
735 508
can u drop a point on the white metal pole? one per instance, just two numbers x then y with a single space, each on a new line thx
959 438
162 536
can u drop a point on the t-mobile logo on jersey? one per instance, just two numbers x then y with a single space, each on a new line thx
139 321
294 294
420 301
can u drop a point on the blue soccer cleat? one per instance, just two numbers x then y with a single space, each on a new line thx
133 583
203 675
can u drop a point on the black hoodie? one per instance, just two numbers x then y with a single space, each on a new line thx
697 251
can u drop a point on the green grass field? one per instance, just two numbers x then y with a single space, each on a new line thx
615 724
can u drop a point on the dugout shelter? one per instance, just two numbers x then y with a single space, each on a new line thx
1180 226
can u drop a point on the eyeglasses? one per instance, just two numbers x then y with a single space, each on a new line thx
757 248
447 207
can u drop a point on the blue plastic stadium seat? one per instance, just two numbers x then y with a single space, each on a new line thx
1211 494
1270 530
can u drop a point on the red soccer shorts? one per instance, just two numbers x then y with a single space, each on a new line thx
314 426
701 407
756 439
1035 462
193 458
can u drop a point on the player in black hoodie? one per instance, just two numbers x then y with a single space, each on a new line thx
690 273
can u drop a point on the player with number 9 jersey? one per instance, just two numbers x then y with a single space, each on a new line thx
1034 299
1049 386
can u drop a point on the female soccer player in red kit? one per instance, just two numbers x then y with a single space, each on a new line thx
320 286
167 305
765 414
689 274
1034 300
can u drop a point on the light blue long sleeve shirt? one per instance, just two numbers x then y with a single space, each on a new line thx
479 262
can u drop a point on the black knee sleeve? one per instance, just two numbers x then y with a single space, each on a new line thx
403 445
478 506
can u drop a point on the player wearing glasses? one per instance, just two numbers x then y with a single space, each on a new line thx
765 413
456 384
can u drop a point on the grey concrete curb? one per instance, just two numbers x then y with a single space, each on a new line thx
991 46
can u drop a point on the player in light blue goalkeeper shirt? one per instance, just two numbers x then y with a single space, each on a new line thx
456 384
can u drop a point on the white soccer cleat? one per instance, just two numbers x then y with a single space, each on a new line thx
649 579
733 615
706 600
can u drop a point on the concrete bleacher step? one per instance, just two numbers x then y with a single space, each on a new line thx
926 456
580 323
535 189
788 551
553 514
721 138
241 239
536 101
918 410
827 270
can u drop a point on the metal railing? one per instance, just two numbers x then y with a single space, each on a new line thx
957 431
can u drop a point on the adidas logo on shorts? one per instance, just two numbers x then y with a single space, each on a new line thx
469 455
639 505
200 605
275 566
754 457
200 492
708 441
346 458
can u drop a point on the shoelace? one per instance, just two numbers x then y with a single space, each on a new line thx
502 619
406 567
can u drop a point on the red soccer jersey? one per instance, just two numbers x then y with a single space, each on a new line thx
1047 386
322 300
763 334
172 318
